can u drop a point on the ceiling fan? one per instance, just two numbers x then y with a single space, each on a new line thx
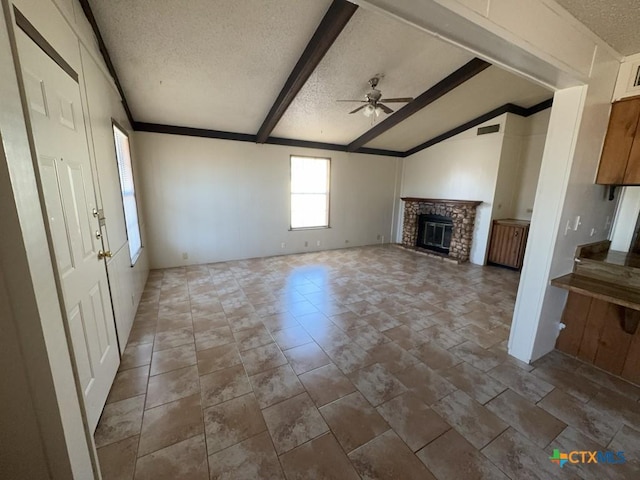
374 103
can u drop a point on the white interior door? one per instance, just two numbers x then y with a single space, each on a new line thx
55 111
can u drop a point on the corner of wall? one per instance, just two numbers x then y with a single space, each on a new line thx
398 204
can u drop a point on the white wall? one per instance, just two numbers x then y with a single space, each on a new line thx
540 40
501 169
536 38
464 167
36 317
35 323
101 105
521 156
506 189
566 189
218 200
534 137
63 24
22 449
626 218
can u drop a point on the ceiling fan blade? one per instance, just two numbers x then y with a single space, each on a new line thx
384 108
397 100
359 101
357 109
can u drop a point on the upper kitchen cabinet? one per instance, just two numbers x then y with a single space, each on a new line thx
620 161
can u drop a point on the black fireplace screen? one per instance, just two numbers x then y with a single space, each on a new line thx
434 232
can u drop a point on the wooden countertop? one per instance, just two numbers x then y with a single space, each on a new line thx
609 292
613 257
512 221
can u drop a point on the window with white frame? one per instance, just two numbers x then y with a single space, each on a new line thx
127 188
310 179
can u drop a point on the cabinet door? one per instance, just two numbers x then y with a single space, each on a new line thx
632 173
495 245
500 244
623 124
520 240
507 245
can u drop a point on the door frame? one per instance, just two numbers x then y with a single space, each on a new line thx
16 19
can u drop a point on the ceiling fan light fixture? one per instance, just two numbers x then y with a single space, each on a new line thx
378 111
369 110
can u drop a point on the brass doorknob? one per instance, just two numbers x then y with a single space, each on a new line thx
106 254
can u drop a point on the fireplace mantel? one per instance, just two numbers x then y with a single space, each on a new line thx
472 203
461 212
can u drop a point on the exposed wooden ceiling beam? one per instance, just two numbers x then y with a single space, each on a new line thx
327 32
457 78
246 137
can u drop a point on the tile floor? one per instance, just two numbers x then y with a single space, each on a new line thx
371 363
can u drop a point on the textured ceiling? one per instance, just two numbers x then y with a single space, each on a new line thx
220 65
207 64
410 60
615 21
486 91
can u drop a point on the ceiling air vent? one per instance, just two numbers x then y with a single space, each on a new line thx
489 129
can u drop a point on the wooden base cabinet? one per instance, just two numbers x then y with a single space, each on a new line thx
598 332
508 242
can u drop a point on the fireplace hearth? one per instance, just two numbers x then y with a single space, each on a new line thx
444 227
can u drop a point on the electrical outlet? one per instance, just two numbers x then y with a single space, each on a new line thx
306 244
346 241
283 245
318 243
185 256
378 237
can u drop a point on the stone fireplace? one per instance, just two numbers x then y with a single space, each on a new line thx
444 227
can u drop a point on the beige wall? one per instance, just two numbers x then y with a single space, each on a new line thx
534 138
39 350
464 167
534 37
500 169
542 41
626 218
22 451
578 125
101 105
33 301
520 162
218 200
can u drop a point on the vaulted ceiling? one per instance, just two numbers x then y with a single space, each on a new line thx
220 66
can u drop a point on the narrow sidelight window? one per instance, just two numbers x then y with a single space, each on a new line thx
127 188
310 178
